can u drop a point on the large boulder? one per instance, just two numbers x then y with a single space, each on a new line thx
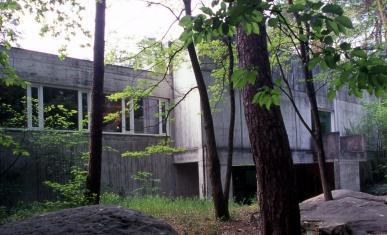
349 213
96 219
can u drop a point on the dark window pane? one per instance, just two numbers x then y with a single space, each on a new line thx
127 116
85 112
35 106
325 119
151 117
163 116
139 116
112 116
60 108
146 118
13 108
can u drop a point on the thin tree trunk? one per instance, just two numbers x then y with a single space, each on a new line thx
220 204
93 181
382 16
276 189
232 120
310 91
317 132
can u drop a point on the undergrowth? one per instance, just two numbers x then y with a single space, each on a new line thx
187 215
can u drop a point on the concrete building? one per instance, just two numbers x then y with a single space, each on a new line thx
56 83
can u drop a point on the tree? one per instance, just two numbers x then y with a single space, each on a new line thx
220 204
93 181
277 199
276 191
221 54
311 93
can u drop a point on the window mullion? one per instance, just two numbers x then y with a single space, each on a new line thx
131 111
160 117
123 120
41 107
29 107
80 110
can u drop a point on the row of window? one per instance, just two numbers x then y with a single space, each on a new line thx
38 107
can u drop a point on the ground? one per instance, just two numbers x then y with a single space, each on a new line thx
239 224
350 213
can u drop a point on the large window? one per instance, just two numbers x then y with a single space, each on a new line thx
112 116
326 122
60 108
146 116
13 107
40 107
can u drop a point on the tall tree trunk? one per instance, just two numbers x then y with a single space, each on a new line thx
382 15
220 204
310 91
276 190
93 181
232 119
317 131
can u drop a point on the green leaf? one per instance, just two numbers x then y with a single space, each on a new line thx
330 61
331 94
331 25
344 21
258 16
273 22
378 69
242 77
296 7
207 10
333 8
225 28
345 46
303 38
317 5
186 37
358 52
313 62
328 40
186 21
255 28
316 23
248 28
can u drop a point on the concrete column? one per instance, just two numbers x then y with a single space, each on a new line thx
202 173
348 174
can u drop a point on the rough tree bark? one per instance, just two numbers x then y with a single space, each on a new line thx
276 190
231 125
93 181
220 204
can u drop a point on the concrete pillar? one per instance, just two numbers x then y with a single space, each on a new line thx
202 173
347 174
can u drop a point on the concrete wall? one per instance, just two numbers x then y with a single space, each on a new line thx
344 110
54 162
47 69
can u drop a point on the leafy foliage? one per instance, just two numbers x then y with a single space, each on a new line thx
325 23
148 184
71 193
153 149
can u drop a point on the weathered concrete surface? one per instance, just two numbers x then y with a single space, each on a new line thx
349 213
90 220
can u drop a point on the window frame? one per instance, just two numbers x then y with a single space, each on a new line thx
80 110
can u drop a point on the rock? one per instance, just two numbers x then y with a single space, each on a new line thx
349 213
98 219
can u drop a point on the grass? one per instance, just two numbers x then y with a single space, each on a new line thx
187 215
